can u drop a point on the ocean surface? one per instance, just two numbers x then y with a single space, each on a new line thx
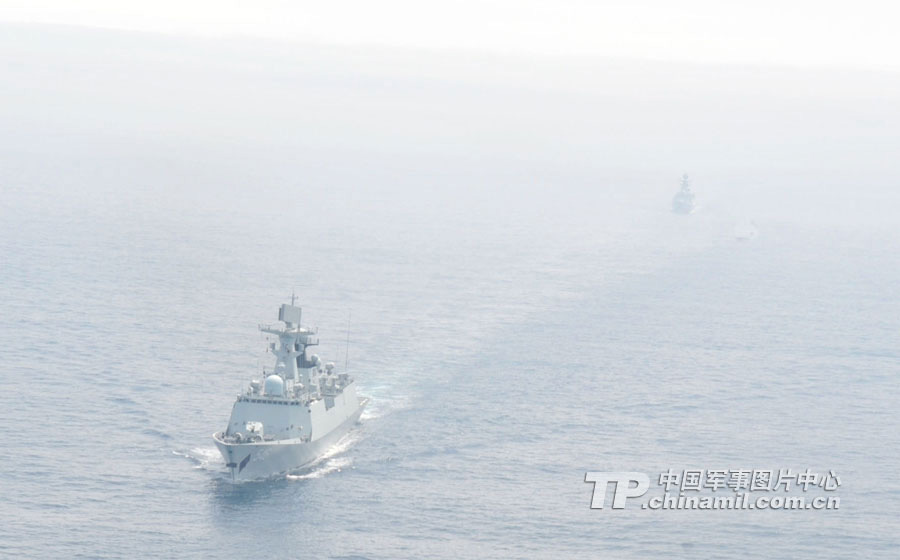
509 344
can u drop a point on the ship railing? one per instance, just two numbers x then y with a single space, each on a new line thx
309 331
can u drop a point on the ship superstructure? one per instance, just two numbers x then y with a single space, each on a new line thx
289 417
683 203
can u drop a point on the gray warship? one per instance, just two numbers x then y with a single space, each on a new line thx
290 417
684 202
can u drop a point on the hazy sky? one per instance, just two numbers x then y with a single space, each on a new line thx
804 32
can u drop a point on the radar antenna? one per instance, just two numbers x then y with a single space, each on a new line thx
347 349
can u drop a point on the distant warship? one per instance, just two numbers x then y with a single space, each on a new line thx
745 231
288 419
683 203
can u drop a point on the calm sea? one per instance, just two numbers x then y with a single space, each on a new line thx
509 343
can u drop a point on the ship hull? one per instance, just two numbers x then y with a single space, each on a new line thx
252 461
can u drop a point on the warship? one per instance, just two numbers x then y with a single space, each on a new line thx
683 203
745 231
291 416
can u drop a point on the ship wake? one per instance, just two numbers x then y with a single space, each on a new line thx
332 461
383 402
205 458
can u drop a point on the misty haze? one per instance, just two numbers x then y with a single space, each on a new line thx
524 306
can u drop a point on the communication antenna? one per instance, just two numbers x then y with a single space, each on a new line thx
347 350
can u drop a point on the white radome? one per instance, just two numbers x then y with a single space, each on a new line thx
274 386
292 417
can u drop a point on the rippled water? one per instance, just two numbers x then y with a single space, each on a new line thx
507 348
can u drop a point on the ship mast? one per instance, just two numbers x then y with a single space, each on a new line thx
291 362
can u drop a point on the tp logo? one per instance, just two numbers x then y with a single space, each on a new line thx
623 489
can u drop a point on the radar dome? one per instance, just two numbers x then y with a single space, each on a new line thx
274 386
